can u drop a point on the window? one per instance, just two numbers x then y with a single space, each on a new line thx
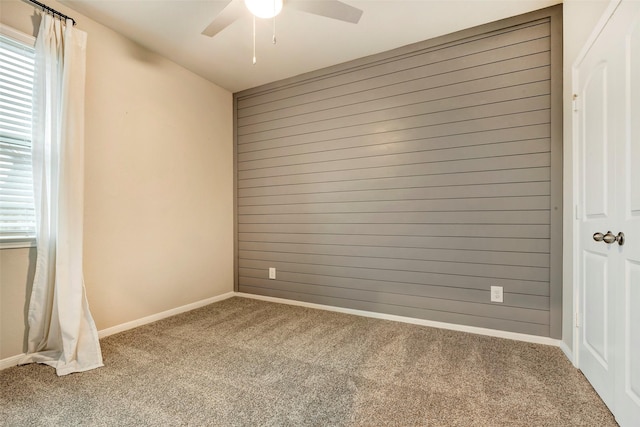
17 213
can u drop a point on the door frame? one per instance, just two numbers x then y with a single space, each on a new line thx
576 184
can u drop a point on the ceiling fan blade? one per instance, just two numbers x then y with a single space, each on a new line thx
330 8
226 17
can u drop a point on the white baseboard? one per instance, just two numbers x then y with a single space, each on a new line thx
567 352
451 326
163 315
13 360
10 362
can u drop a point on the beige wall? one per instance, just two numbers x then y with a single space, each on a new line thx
158 186
15 283
580 18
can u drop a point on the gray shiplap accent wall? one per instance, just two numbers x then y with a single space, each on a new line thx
411 181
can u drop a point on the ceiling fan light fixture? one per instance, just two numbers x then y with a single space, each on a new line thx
264 8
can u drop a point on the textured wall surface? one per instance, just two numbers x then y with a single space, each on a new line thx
412 181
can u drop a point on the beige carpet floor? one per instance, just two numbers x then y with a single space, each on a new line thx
242 362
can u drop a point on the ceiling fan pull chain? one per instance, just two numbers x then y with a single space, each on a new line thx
274 22
254 40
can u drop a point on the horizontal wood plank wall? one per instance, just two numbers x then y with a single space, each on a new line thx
409 182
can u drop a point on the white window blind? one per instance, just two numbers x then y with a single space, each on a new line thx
17 215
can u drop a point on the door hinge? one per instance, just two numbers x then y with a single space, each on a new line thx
574 102
578 212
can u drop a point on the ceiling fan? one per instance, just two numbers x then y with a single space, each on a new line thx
270 8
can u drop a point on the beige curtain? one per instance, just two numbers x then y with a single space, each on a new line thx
62 332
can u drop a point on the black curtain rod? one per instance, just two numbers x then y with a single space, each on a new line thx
46 8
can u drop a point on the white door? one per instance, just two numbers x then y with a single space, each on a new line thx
608 120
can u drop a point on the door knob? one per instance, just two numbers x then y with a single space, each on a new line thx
609 238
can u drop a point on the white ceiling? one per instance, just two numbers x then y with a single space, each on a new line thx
305 42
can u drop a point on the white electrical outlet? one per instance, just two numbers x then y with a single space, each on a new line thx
272 273
496 294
